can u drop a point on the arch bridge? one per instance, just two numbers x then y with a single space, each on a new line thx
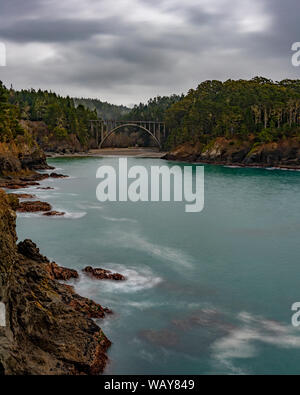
102 129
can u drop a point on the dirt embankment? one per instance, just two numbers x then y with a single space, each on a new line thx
285 153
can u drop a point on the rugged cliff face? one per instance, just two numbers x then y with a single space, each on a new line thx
16 158
285 153
48 327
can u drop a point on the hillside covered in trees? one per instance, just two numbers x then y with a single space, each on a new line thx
260 107
54 120
9 117
238 121
104 110
154 110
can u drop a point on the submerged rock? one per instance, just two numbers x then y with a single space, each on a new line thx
102 274
25 196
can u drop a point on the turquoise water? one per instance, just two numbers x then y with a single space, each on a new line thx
206 293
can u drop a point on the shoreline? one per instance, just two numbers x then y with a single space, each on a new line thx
87 351
155 154
265 166
112 152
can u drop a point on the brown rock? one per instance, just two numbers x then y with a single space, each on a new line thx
18 185
47 332
28 249
54 214
25 196
34 207
45 188
102 274
55 175
61 273
88 306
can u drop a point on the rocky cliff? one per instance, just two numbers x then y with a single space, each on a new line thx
285 153
16 158
48 329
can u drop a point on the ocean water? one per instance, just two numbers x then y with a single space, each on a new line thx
206 293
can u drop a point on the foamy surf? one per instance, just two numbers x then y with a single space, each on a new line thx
136 280
112 219
243 341
73 215
169 254
67 215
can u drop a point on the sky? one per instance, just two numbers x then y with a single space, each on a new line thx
126 51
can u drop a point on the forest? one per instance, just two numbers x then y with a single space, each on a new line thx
260 108
60 114
9 117
104 110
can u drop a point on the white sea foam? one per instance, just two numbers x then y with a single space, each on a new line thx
43 196
73 215
136 280
112 219
243 341
86 205
40 214
169 254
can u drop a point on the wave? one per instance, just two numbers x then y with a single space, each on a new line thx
136 280
169 254
73 215
86 205
67 215
112 219
242 342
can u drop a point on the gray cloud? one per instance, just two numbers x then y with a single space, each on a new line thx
127 51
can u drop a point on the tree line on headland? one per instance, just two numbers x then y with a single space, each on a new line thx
260 109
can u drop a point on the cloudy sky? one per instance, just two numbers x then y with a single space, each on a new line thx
125 51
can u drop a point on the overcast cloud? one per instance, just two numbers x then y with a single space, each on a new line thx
126 51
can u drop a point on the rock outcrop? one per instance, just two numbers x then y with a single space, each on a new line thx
285 153
34 207
55 175
54 214
48 329
103 274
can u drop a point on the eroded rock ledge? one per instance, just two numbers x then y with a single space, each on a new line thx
285 153
49 327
